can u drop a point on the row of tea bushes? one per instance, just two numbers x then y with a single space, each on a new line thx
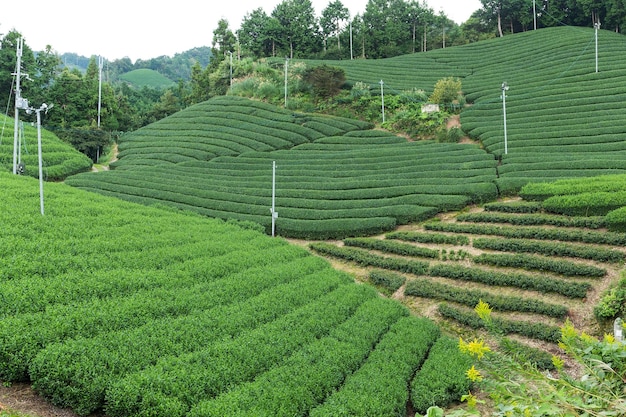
550 249
380 387
530 329
185 380
427 288
594 222
541 233
595 196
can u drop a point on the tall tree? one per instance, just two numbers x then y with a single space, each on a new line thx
388 29
224 39
254 34
332 17
300 29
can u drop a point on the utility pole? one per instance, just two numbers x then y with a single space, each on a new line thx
382 98
351 54
45 108
273 208
286 68
596 25
20 102
231 68
505 88
100 64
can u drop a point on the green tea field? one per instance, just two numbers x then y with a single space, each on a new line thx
109 305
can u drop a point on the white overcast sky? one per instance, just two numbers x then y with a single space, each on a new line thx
142 29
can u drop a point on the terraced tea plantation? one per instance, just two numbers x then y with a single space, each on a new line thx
338 178
534 267
334 178
109 305
60 159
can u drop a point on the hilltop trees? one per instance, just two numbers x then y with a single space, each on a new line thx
332 17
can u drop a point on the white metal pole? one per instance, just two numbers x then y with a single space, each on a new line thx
231 68
534 15
273 209
382 98
286 68
100 62
505 87
18 98
40 158
351 55
596 26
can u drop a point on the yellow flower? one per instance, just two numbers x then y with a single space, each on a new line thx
483 310
477 348
609 338
473 374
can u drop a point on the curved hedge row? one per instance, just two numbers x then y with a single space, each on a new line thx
396 248
311 374
443 379
597 222
365 258
541 233
538 263
533 330
426 288
518 280
550 249
378 389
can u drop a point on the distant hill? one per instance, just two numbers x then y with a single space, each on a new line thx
175 68
146 78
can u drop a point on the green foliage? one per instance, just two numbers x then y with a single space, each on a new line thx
442 379
487 216
325 80
540 233
389 281
59 159
389 246
586 204
438 238
538 263
613 302
147 77
377 389
525 354
531 282
550 249
430 289
215 158
513 207
365 258
599 392
115 304
533 330
616 220
446 91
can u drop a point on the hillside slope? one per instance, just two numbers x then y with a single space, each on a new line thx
59 158
563 118
336 178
